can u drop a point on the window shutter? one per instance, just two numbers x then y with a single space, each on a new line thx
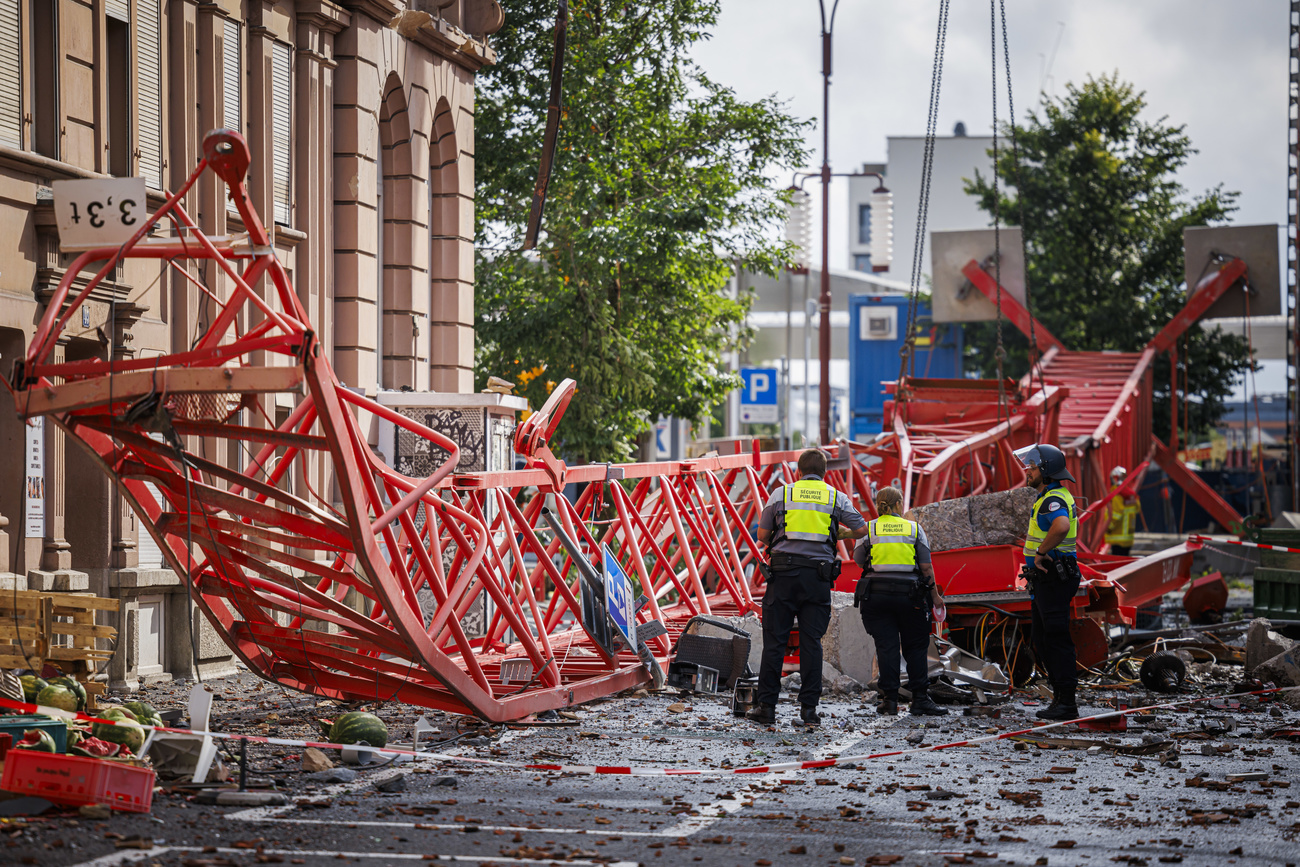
11 107
148 64
281 117
119 9
230 78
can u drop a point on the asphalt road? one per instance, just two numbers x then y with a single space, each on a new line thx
1003 802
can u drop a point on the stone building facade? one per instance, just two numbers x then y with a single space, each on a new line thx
360 119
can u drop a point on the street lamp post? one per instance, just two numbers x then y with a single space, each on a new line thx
824 302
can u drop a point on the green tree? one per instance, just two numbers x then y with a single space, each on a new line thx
661 186
1103 224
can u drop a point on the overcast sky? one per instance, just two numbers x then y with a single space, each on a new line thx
1218 67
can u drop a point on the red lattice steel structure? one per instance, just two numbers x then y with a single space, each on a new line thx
365 595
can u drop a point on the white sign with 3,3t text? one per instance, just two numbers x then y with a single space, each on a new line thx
103 212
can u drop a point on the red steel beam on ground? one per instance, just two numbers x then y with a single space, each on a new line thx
1192 485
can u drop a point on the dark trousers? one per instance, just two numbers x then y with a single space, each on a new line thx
1051 622
893 620
794 594
1121 550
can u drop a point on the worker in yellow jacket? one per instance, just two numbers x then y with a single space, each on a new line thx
1124 510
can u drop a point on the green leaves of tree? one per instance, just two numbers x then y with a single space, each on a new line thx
661 183
1103 222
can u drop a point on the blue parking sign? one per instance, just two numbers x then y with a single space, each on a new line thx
758 394
619 601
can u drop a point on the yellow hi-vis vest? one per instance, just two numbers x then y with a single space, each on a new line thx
1036 534
893 544
808 505
1119 531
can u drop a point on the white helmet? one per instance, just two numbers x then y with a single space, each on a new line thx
1118 474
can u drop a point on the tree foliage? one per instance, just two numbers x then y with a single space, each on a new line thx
1103 224
661 185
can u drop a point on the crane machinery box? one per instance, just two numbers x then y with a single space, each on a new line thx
877 330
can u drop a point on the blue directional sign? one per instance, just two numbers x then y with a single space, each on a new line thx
758 394
619 601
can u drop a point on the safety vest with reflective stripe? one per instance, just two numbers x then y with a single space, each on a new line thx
1119 531
1037 534
808 505
893 544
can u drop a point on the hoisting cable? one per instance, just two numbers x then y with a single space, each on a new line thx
907 350
1035 358
1000 352
1259 430
553 112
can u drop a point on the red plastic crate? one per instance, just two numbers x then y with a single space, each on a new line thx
74 781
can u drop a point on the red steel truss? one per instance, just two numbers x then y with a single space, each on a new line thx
367 592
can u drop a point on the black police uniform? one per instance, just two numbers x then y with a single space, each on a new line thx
1052 594
802 574
895 610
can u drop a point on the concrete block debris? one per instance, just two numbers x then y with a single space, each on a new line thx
986 519
1262 643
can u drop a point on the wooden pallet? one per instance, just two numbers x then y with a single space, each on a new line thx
58 628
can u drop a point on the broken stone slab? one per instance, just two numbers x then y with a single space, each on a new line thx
947 524
1281 670
1262 643
999 518
846 686
846 646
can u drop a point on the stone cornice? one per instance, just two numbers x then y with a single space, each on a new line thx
328 17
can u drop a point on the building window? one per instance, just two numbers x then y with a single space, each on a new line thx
45 78
281 117
11 72
864 224
230 78
861 262
117 34
148 69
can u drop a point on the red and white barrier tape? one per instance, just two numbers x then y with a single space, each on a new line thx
629 770
1215 541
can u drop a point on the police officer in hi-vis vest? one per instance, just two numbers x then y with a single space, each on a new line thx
1050 550
802 523
895 594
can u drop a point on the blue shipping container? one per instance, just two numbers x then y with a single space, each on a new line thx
877 327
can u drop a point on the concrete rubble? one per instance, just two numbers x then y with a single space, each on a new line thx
985 519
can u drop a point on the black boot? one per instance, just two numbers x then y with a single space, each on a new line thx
888 704
810 716
923 705
763 714
1063 706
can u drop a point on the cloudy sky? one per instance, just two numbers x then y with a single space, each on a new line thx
1218 67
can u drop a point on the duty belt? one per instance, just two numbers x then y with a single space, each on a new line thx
794 561
885 583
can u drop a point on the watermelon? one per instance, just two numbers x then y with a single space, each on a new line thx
57 696
141 709
357 726
95 748
32 685
74 686
126 731
38 740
